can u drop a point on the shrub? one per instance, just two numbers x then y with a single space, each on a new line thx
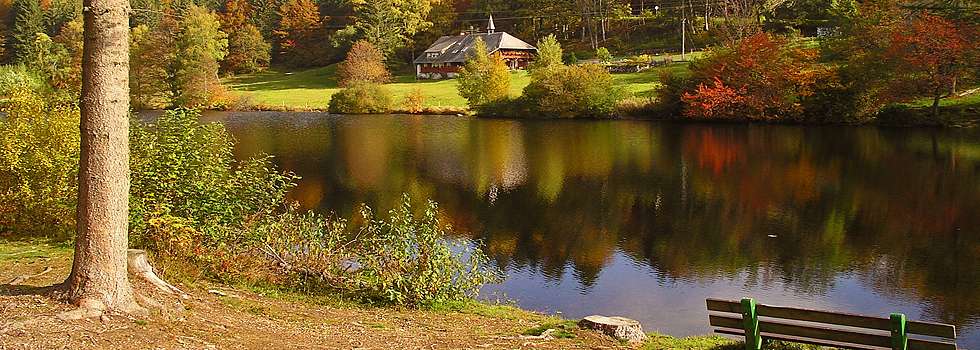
361 98
404 259
485 78
415 101
672 87
204 213
38 162
187 169
603 54
572 58
572 91
364 63
19 79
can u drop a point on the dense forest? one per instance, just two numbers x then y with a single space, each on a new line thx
180 49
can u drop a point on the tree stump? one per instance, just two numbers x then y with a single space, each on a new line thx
617 327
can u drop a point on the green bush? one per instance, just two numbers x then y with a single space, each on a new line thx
362 98
38 163
205 214
603 54
406 259
187 169
572 91
20 79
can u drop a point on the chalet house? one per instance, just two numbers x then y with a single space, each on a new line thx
448 54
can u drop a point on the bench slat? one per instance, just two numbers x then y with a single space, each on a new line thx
724 305
920 344
835 318
822 336
725 321
816 333
931 329
818 342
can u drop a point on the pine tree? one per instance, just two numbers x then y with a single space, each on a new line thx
28 21
390 24
99 281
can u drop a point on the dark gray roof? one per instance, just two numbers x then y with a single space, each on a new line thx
450 49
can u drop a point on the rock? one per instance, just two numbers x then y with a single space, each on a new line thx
617 327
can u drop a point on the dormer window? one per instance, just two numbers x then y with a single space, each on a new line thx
431 54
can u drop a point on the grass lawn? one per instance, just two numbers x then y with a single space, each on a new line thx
312 88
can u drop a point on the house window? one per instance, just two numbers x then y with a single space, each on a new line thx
432 54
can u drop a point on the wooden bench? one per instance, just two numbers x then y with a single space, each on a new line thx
839 330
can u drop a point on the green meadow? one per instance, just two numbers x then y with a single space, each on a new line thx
311 89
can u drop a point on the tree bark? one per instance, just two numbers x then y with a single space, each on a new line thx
98 281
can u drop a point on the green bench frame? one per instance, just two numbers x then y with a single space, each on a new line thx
824 328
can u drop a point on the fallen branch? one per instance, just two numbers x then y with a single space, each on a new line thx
23 278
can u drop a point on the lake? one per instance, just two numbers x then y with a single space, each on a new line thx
647 219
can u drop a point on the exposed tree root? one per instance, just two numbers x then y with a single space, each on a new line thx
24 278
140 266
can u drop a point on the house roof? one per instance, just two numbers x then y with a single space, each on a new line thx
454 49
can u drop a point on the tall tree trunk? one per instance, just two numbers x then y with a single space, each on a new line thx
98 280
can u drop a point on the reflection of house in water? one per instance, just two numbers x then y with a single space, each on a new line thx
448 54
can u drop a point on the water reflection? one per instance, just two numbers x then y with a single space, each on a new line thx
646 219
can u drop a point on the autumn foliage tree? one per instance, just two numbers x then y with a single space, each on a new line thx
200 46
300 39
364 63
930 56
248 52
549 54
484 78
762 77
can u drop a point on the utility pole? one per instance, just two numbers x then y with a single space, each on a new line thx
683 39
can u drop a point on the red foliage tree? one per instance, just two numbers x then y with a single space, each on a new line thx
929 56
761 77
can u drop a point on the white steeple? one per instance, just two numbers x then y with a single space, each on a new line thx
490 27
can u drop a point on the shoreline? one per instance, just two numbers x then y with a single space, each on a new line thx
218 315
972 120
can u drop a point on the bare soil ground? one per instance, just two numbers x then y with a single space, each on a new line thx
242 319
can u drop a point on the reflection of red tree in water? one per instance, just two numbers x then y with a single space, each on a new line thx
712 152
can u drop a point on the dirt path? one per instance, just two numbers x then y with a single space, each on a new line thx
245 320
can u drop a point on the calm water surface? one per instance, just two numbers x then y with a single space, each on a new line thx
646 220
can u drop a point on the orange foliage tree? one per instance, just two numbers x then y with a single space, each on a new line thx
364 63
300 34
930 55
761 77
247 50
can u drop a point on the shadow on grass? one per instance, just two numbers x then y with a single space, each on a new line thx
314 78
275 79
12 290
